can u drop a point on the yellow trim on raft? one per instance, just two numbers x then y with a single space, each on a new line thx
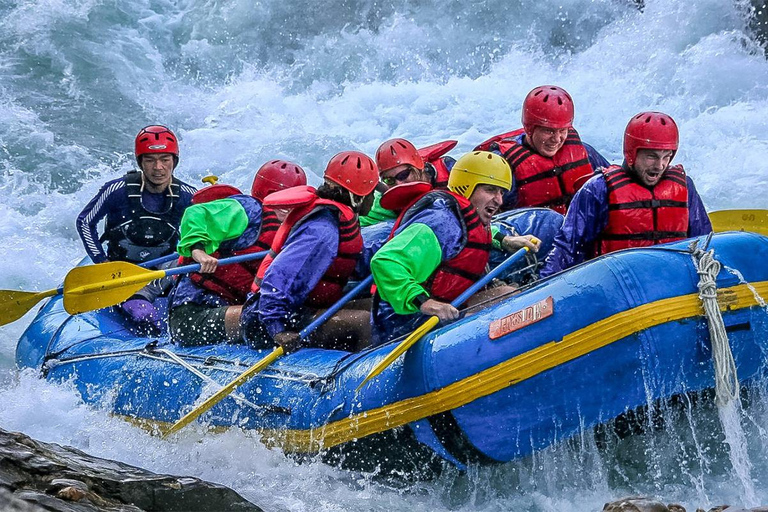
517 369
496 378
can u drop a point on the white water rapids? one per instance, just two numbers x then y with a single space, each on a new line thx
242 82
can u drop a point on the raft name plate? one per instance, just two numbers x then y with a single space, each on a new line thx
523 318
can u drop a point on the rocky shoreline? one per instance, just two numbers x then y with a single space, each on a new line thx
36 476
644 504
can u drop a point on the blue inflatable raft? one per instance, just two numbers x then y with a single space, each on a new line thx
565 353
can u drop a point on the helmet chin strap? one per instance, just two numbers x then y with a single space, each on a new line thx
353 199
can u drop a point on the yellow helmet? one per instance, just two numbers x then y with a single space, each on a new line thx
476 168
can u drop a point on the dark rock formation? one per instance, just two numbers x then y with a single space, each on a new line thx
37 476
640 504
644 504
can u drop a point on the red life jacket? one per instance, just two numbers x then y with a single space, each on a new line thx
641 217
433 155
233 282
454 276
542 181
269 226
304 201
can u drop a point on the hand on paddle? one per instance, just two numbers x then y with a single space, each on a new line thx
512 243
442 310
207 262
289 340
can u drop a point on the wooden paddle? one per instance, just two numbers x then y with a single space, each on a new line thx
106 284
14 304
433 320
755 221
266 361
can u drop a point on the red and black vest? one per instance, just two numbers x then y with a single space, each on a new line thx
233 282
542 181
433 155
303 202
639 216
454 276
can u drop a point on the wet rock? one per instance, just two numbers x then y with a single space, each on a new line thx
37 476
639 504
728 508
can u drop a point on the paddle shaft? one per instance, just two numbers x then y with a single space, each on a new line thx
351 294
266 361
432 321
159 261
504 265
150 275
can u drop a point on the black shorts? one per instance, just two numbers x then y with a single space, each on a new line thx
193 325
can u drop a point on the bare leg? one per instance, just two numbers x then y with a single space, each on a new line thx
349 329
232 322
490 294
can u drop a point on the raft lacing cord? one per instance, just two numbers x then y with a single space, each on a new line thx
726 379
207 379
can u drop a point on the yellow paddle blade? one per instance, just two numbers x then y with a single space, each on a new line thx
401 348
755 221
105 284
223 392
15 304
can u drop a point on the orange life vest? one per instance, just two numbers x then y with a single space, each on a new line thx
233 282
304 201
433 155
639 216
454 276
542 181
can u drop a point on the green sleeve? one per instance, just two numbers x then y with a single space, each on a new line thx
494 232
210 224
403 263
377 213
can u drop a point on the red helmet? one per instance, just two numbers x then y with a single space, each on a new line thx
649 130
214 192
396 152
276 175
548 106
353 171
156 139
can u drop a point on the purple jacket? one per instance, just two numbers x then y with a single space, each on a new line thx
596 160
587 217
296 270
442 220
187 292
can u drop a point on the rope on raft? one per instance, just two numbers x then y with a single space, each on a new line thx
726 379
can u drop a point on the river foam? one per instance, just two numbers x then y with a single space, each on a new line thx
243 82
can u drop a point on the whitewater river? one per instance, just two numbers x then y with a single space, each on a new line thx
242 82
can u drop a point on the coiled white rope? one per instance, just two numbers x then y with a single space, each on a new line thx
726 379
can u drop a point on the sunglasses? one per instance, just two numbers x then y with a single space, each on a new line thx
394 180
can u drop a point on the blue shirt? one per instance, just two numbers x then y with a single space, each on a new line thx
587 217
